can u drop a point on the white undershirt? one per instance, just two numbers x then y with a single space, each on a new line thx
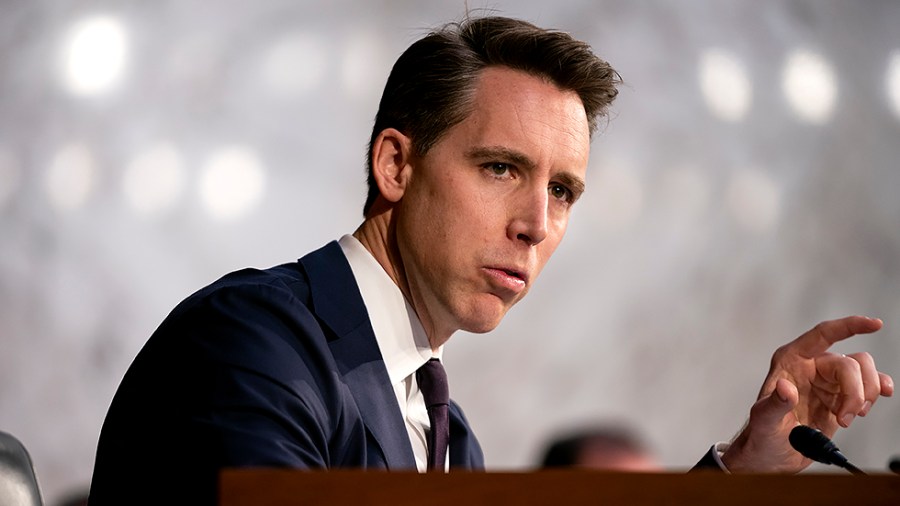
401 339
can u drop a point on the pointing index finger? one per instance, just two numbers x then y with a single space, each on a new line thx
822 336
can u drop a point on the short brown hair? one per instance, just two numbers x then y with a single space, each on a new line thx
431 86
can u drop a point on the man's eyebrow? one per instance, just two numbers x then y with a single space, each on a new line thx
575 183
501 153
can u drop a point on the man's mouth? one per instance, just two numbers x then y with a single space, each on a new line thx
508 280
514 273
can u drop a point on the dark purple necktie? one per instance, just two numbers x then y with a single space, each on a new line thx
432 380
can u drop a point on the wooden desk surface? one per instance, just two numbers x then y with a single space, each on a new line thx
278 487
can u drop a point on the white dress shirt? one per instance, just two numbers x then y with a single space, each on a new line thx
401 339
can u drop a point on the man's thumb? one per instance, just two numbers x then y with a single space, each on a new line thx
782 400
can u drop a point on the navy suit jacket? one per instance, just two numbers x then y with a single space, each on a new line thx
276 367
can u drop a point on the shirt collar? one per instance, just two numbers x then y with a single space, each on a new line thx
398 331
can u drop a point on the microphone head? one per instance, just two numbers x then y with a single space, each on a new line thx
894 465
814 445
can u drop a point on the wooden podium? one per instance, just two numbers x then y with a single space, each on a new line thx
278 487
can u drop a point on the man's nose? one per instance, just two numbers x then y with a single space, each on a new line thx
529 217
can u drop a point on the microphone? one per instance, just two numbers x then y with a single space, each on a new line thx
814 445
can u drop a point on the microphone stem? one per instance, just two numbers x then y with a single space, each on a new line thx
853 469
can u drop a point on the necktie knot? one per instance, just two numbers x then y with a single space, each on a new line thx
432 379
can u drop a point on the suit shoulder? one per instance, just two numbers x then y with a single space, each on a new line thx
289 277
257 319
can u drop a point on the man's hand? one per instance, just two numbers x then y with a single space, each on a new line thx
808 385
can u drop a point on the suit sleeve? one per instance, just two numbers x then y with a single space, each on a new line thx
266 395
711 461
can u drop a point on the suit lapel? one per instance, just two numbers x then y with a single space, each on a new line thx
338 303
465 452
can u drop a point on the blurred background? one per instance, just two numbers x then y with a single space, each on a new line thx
745 188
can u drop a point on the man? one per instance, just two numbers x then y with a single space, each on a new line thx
478 154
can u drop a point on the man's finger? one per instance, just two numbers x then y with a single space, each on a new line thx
844 372
887 384
822 336
871 381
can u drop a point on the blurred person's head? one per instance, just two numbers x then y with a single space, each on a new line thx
612 448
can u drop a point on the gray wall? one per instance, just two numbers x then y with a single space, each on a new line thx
722 218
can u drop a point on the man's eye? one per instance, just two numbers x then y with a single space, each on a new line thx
498 169
560 192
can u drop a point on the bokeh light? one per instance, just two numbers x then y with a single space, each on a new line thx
725 85
810 86
295 65
232 182
754 200
893 81
70 177
95 54
154 180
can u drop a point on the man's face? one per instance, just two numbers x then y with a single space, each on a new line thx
488 204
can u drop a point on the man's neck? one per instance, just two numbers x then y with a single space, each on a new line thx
376 235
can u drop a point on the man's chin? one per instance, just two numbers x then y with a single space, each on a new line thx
484 329
483 322
482 313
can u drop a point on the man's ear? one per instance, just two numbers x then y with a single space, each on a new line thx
391 157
